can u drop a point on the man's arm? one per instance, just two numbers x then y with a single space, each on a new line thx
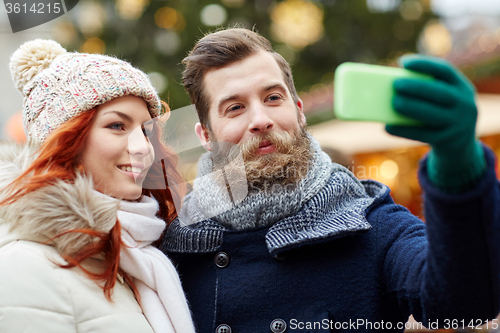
449 269
456 276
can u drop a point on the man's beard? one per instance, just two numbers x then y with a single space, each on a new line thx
283 168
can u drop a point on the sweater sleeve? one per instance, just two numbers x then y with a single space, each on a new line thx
32 297
449 268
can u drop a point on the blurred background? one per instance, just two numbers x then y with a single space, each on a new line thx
314 36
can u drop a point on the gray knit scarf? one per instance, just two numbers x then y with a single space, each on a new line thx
258 208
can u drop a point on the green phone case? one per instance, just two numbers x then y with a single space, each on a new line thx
364 92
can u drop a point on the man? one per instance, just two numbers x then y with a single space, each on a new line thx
311 248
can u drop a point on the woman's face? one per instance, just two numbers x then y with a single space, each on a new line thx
117 152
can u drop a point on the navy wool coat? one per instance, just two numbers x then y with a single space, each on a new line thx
330 268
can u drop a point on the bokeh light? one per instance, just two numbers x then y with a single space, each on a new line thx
14 128
213 15
380 6
159 81
389 169
411 10
64 33
319 93
496 35
487 43
131 9
170 18
297 23
91 18
93 45
167 42
436 39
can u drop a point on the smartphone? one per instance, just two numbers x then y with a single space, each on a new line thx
364 92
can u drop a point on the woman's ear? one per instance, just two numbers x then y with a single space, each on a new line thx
203 136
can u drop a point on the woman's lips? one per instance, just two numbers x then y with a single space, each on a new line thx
133 174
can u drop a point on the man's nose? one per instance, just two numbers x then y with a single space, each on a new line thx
260 121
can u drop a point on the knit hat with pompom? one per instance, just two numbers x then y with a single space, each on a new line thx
58 85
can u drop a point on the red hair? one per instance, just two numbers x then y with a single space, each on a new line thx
58 160
161 173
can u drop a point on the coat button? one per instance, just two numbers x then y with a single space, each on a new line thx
281 257
221 259
223 328
278 326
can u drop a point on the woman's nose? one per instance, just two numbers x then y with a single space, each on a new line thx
138 143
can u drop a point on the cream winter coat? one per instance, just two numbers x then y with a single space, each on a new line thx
36 295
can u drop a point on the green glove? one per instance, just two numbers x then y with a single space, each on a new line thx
447 108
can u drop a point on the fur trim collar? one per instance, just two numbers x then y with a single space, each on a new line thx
52 210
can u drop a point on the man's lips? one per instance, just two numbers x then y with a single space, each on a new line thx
266 147
265 143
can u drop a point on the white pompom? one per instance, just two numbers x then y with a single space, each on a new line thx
31 58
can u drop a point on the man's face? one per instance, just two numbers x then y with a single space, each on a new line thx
250 105
249 98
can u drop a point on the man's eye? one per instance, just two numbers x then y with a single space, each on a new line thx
274 98
116 126
234 108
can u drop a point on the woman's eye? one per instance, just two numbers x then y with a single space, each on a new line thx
117 126
148 132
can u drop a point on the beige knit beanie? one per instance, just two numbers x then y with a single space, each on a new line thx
58 85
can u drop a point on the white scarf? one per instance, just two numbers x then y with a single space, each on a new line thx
156 279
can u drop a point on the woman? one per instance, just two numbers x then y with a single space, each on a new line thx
81 204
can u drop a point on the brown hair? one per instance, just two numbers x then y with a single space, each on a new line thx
220 49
